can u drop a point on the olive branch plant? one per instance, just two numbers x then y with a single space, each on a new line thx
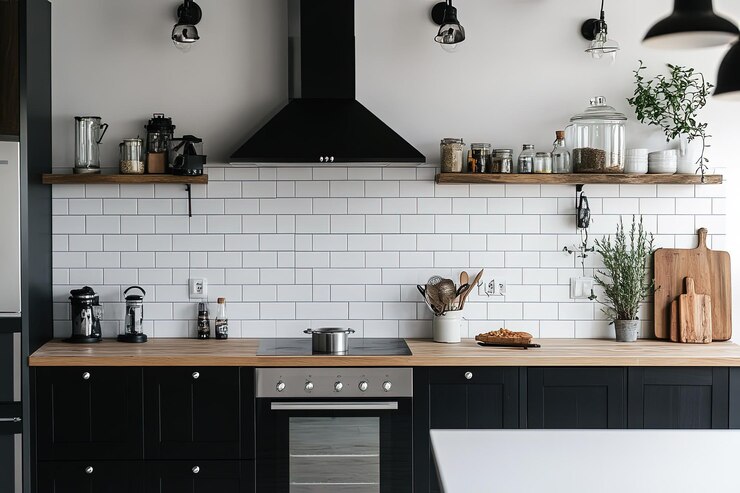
626 282
672 103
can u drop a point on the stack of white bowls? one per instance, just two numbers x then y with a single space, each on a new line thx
663 162
636 161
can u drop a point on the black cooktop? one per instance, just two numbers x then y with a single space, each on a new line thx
357 347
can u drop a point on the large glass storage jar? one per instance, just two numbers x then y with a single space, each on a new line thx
480 158
598 137
451 155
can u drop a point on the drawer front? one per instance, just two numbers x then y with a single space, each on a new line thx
192 413
89 413
90 477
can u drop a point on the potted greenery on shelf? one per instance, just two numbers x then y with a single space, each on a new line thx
673 103
625 280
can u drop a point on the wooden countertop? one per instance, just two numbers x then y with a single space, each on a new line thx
243 352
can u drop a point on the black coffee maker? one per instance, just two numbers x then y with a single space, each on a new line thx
186 156
86 315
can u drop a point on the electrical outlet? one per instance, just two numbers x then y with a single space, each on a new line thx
198 289
494 287
580 287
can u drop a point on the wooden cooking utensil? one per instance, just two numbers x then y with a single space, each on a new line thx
473 285
674 336
464 278
711 273
694 315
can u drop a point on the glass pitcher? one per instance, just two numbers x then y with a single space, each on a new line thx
89 132
599 138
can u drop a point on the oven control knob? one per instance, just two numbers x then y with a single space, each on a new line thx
309 386
363 386
387 386
280 386
338 386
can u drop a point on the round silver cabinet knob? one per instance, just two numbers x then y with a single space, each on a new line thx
362 386
387 386
89 470
196 469
321 159
309 386
86 376
196 375
280 386
468 375
331 159
338 386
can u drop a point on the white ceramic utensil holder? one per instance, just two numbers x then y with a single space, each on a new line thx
446 328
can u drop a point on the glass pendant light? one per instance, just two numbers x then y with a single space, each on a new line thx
693 24
596 31
451 33
184 34
728 79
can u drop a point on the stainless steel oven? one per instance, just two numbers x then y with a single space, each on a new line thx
327 430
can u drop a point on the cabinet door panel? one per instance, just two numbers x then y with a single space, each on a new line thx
89 413
199 477
678 398
90 477
192 413
575 398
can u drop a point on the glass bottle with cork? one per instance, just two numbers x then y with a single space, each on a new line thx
561 161
222 323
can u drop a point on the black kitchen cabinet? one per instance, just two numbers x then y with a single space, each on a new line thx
89 413
576 398
90 477
192 413
200 477
459 398
10 114
679 398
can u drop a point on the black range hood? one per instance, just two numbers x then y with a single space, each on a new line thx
323 122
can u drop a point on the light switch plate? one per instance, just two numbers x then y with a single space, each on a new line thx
198 289
580 287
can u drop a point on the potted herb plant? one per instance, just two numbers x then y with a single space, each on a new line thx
625 279
673 103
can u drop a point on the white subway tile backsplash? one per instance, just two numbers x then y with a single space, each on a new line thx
298 247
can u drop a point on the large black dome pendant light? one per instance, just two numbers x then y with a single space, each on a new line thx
693 24
728 79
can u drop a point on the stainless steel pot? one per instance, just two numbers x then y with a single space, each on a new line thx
329 340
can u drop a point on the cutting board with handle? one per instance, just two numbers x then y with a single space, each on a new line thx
710 271
694 315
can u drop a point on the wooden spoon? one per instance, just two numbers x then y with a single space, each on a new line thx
473 285
464 278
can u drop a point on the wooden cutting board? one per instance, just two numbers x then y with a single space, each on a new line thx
711 273
694 315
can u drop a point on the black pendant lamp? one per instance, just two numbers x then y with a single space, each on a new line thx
451 33
693 24
728 79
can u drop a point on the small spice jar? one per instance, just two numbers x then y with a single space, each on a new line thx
502 161
480 158
525 163
543 162
451 155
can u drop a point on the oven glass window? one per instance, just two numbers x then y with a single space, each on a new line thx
334 454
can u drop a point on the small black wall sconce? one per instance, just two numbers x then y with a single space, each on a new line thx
184 34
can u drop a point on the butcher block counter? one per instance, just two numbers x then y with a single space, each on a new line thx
243 352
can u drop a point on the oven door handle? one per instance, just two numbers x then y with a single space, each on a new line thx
334 406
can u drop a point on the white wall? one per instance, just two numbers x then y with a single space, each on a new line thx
520 76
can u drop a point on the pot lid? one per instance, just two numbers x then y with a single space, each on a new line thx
329 330
83 293
599 110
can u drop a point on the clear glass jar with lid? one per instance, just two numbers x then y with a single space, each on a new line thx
543 162
503 161
525 163
451 155
480 158
598 137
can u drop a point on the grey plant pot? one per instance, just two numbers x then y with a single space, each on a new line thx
627 330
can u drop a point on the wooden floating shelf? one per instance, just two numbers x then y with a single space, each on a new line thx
67 179
576 179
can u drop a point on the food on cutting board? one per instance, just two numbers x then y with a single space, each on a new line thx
504 336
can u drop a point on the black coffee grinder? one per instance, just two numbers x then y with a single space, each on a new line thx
86 315
186 156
